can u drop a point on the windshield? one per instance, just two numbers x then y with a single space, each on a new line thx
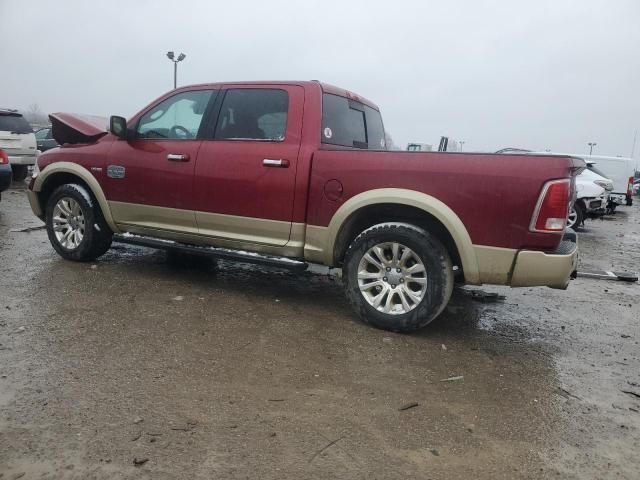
14 124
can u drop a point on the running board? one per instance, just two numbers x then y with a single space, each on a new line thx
224 253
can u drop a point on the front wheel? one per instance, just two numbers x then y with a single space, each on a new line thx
75 225
397 277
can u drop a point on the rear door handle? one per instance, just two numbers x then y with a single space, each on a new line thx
277 163
177 157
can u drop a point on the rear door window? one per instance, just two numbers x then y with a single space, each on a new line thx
14 124
253 114
349 123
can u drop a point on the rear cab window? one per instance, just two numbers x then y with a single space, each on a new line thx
349 123
14 123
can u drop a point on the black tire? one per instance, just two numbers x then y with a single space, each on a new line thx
439 274
579 222
97 234
19 172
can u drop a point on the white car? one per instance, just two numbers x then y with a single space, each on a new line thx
592 196
18 141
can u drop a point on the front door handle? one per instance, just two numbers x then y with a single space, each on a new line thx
177 157
277 163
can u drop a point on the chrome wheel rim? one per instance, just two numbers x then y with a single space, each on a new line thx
392 278
572 218
68 223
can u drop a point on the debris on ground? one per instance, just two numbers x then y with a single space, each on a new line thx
486 297
136 437
435 452
407 406
629 392
178 298
140 461
19 330
137 420
566 394
187 428
452 379
28 229
444 347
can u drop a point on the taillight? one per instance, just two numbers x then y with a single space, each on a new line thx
630 186
4 158
552 208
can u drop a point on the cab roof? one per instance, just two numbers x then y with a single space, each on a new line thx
324 87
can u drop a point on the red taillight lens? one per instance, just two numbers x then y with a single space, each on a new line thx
630 186
552 209
3 157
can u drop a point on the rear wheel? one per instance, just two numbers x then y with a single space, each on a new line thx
75 225
19 172
397 277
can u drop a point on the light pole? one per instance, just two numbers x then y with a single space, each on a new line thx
591 145
175 66
461 142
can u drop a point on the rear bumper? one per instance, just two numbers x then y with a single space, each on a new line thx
22 159
555 269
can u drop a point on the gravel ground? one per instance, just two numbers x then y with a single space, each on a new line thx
149 365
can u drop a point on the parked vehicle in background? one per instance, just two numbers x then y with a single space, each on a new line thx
636 187
5 172
292 172
592 195
621 171
18 141
45 140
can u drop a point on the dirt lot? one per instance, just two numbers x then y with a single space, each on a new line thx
201 370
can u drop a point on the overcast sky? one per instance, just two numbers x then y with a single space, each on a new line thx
534 74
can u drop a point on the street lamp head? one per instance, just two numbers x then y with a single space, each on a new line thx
181 57
170 55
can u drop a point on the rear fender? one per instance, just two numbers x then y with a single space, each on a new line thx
420 200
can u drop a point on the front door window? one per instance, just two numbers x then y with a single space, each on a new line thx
176 118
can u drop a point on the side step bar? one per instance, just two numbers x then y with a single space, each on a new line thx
224 253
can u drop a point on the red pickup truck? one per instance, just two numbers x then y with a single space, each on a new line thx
294 172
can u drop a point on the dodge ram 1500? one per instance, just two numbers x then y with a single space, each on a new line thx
291 173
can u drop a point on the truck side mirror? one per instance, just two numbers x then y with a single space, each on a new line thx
118 126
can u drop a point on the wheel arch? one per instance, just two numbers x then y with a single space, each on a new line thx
61 173
401 205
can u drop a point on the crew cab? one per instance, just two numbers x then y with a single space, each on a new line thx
292 173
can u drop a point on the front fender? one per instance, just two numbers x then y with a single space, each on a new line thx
82 173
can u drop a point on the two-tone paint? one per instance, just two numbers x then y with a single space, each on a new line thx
224 194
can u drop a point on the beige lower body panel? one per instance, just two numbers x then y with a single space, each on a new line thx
496 266
34 202
534 269
271 237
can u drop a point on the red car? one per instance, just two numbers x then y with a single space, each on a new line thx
296 172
